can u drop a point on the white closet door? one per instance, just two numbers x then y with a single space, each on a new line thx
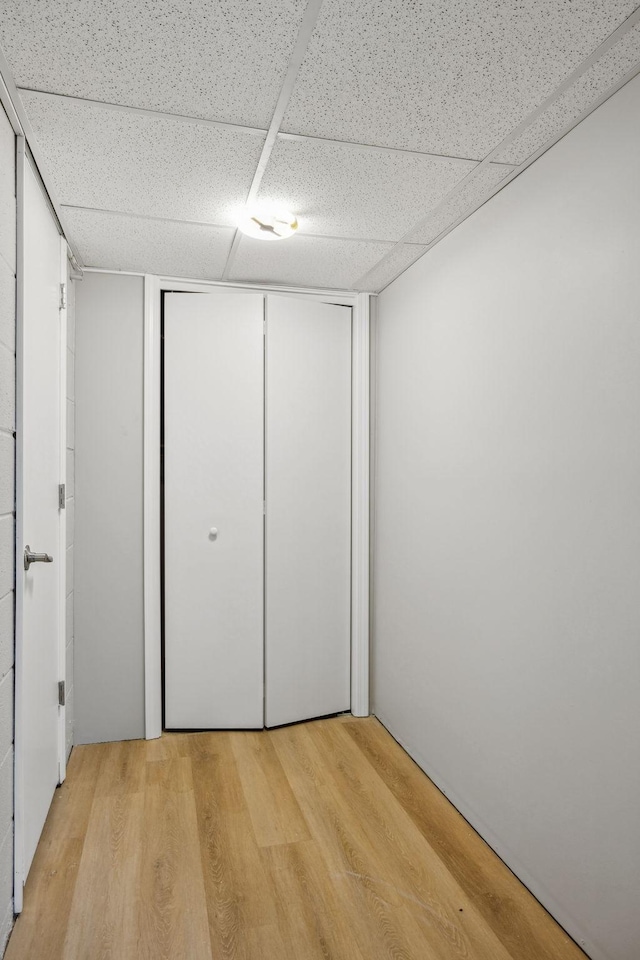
213 497
308 519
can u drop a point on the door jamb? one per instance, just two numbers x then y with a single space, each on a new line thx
153 289
62 513
18 785
360 506
151 512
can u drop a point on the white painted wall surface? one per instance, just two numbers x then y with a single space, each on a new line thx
108 598
507 608
7 513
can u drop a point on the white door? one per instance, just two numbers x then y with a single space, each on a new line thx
213 510
308 512
38 610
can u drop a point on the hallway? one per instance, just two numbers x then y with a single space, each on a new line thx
320 840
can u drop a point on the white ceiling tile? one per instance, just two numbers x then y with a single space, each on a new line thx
605 72
345 191
306 261
117 242
442 76
135 163
468 197
221 59
401 257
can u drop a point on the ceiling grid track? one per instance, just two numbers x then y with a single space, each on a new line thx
144 111
381 187
606 45
375 148
307 27
241 128
219 226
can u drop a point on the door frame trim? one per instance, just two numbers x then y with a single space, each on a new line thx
62 513
154 287
22 159
152 573
360 505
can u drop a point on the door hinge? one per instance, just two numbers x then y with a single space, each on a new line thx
62 496
61 693
63 296
264 508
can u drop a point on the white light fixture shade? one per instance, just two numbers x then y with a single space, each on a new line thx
268 223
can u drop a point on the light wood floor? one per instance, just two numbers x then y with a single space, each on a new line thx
321 841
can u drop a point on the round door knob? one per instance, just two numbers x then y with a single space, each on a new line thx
213 533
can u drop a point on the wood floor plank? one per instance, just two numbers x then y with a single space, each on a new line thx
172 911
84 762
102 920
312 921
199 746
240 905
47 904
274 810
52 878
169 746
265 943
350 862
409 862
319 841
122 768
520 922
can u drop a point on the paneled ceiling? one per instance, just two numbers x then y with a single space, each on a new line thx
381 123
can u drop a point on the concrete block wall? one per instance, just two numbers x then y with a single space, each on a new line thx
7 512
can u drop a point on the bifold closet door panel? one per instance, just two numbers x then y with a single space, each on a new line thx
308 517
213 510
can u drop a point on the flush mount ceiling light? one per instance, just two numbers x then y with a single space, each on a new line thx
268 223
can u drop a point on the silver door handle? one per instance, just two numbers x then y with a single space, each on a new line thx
30 557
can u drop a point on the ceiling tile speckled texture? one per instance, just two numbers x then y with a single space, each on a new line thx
117 242
307 261
221 59
467 198
340 190
615 63
442 76
134 163
388 113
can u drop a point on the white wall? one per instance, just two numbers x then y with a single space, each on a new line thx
7 513
108 596
507 603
